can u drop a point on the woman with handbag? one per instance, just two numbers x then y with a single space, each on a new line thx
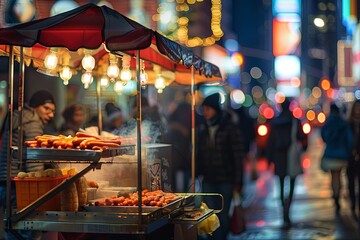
353 169
284 147
336 134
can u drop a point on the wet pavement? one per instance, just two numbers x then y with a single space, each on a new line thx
312 212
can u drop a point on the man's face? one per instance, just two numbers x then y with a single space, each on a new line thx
209 112
46 112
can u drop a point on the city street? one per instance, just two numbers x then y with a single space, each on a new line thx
312 212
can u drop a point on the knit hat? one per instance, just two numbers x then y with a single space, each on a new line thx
213 101
112 111
40 98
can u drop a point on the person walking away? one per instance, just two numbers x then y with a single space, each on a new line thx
353 169
285 133
220 158
36 115
336 134
74 119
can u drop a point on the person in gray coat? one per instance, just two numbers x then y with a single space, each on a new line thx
36 115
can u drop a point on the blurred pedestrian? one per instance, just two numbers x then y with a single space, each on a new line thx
353 169
114 118
74 119
336 134
220 157
36 115
179 136
284 146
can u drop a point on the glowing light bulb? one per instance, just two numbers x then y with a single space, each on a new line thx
113 71
65 73
104 81
118 87
160 84
86 79
65 82
88 62
125 74
51 61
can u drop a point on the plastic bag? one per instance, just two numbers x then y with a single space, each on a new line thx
237 223
210 224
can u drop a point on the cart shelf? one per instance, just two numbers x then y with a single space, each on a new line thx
76 155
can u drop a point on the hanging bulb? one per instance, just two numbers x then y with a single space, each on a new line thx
118 87
104 82
113 71
143 74
65 73
86 79
65 82
88 61
51 60
125 74
160 84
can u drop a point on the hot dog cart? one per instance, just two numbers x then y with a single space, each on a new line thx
116 33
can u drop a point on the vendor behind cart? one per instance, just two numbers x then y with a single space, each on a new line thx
36 115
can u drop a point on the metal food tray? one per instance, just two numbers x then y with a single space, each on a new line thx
129 214
36 154
205 213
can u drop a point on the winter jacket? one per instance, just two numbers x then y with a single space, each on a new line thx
337 135
279 141
32 127
222 161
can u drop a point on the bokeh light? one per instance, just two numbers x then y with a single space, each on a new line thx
248 101
255 72
316 92
310 115
357 94
306 128
279 97
268 113
297 112
237 96
262 130
325 84
257 92
321 117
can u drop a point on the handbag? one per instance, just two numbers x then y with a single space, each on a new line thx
237 222
294 152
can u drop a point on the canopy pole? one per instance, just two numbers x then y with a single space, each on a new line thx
9 155
138 121
98 99
192 129
20 108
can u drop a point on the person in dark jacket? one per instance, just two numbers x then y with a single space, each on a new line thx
74 119
36 115
353 169
220 157
278 144
336 134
